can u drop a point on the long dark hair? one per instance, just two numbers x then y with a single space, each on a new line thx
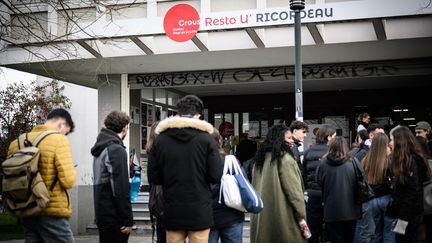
274 143
152 137
376 161
216 135
405 147
338 149
323 133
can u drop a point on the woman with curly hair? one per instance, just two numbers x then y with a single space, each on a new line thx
277 179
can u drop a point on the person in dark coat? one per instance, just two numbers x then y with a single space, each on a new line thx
113 210
425 230
155 217
336 177
363 121
410 170
185 159
311 161
299 131
246 148
372 129
228 222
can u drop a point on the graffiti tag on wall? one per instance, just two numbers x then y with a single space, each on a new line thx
272 74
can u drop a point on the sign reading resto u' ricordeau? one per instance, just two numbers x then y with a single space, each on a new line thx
339 11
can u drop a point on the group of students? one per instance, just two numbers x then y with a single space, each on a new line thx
320 189
186 160
396 166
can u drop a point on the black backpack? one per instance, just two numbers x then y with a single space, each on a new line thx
156 207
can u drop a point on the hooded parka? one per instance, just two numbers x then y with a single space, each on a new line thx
185 159
336 177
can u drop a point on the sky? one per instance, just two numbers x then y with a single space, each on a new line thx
8 75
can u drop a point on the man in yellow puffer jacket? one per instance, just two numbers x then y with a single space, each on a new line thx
52 225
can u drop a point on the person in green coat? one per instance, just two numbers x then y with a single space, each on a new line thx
277 178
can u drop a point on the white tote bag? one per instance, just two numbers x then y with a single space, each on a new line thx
229 186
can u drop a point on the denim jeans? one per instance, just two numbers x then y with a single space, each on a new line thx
314 212
341 231
230 234
383 224
47 229
365 227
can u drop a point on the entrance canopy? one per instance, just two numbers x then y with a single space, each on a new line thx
335 35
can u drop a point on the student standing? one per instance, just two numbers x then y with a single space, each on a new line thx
277 179
228 222
185 160
336 176
312 159
376 165
52 224
410 170
113 210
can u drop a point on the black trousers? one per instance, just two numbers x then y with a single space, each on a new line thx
341 231
315 214
112 235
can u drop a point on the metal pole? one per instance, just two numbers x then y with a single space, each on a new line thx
297 6
298 68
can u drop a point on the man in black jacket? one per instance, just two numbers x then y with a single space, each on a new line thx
113 209
185 159
299 130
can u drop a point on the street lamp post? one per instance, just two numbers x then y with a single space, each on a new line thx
297 6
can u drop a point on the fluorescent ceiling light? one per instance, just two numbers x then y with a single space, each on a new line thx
409 119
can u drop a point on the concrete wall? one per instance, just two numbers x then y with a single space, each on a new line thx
108 97
84 113
135 129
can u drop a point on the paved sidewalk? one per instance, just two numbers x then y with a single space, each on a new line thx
134 238
95 239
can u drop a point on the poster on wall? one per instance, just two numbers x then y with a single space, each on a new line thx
135 113
254 129
341 124
158 113
143 137
143 114
150 118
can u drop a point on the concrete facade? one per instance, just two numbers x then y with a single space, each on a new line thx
122 43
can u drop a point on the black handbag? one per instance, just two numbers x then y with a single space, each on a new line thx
364 192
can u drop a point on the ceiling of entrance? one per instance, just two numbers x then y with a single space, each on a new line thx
86 71
339 42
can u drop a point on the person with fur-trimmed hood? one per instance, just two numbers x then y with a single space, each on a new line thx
185 159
